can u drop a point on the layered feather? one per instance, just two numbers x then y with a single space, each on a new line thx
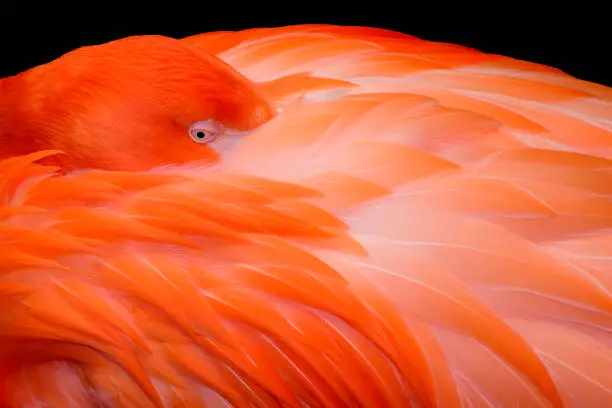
422 225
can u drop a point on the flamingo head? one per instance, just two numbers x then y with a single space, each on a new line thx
131 104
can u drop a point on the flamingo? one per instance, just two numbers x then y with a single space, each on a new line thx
304 216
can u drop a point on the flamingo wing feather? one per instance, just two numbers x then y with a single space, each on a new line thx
422 224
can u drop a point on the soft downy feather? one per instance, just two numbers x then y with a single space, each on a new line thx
425 225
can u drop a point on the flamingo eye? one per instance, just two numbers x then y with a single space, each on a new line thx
205 131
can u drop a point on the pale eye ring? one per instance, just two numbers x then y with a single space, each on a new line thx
205 131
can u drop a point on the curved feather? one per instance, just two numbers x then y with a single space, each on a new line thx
422 225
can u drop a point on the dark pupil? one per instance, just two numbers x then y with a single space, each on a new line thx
200 135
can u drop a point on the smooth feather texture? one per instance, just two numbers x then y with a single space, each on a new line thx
127 100
422 225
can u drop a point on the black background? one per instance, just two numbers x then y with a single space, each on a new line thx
575 42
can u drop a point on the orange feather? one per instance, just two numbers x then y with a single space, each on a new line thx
405 224
156 84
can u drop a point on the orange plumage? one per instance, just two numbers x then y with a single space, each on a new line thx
418 225
128 101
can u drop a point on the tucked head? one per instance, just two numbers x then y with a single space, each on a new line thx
130 104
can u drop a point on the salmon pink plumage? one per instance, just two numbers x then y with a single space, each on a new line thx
390 222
